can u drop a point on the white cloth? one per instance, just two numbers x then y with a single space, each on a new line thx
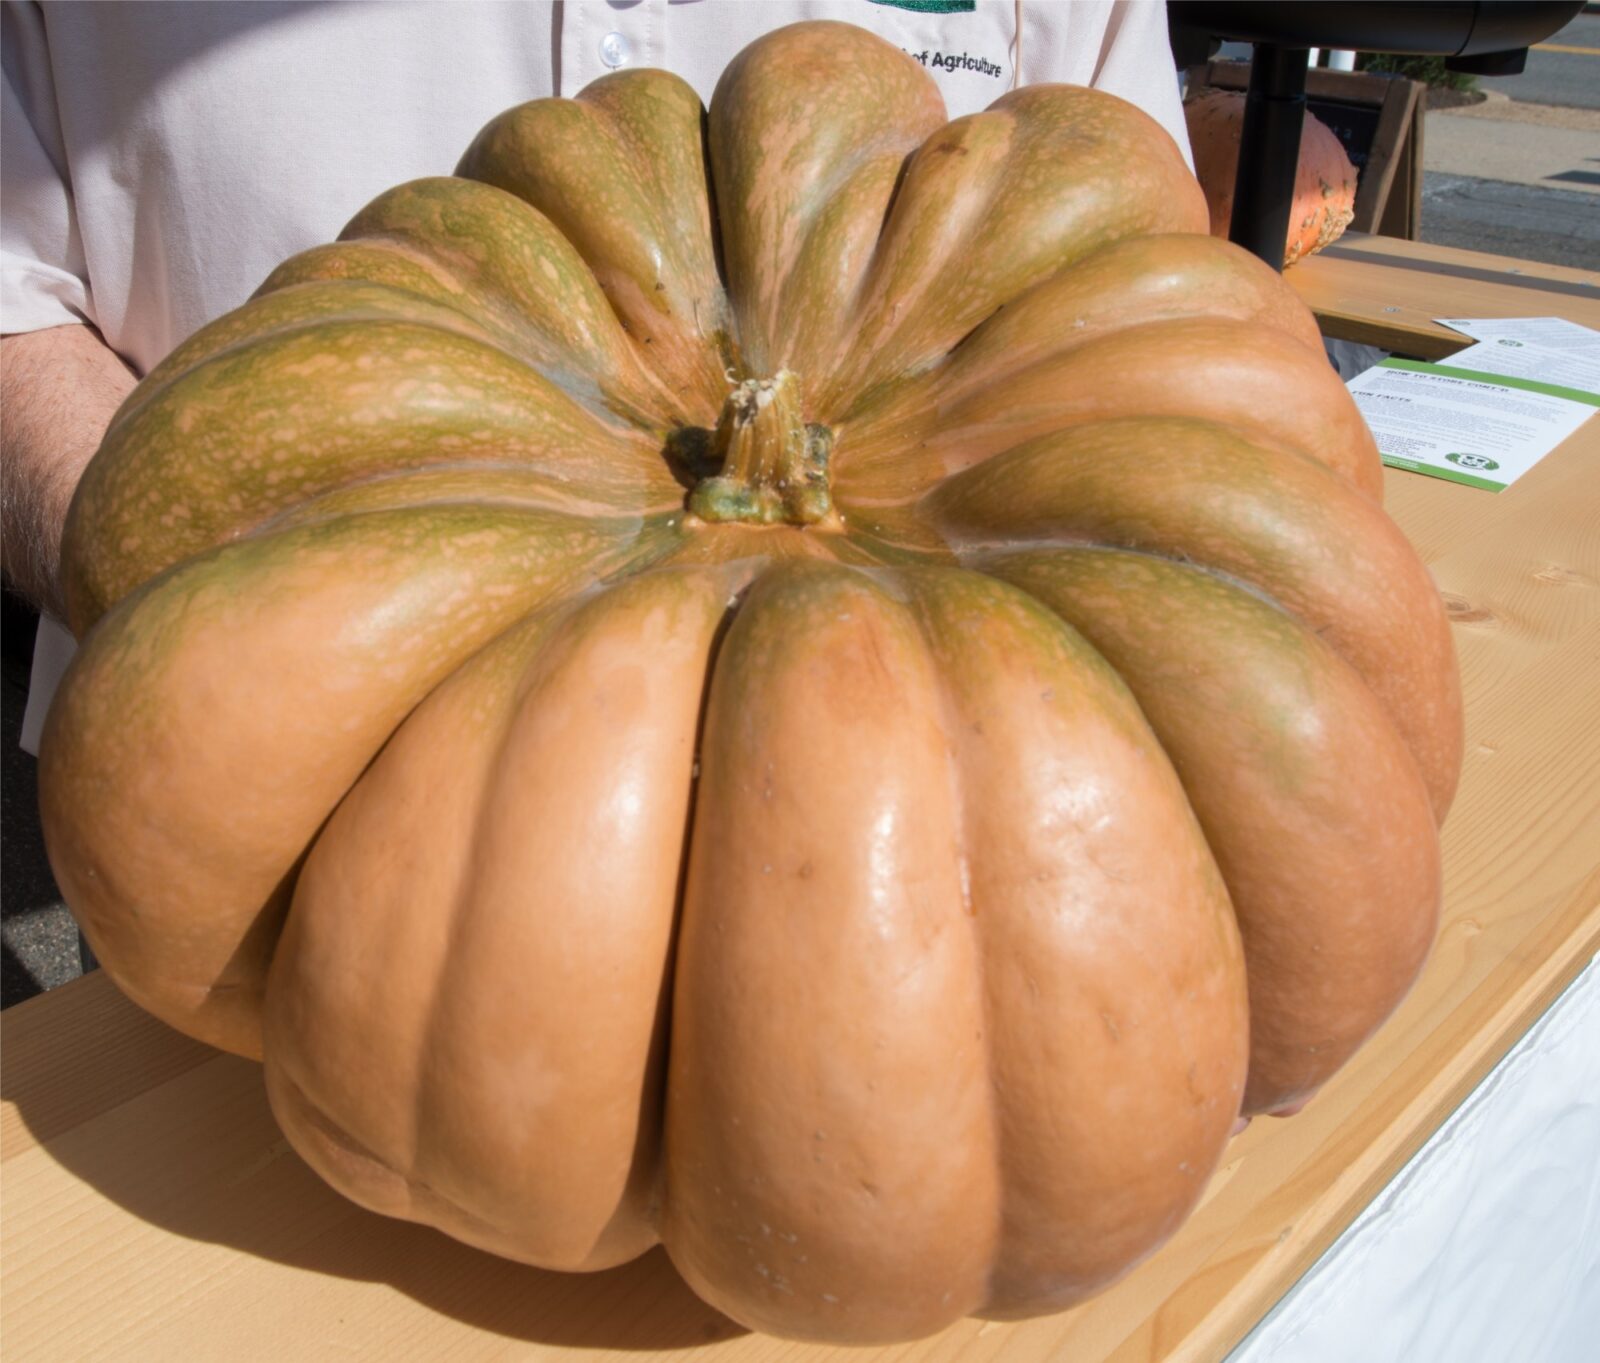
1487 1244
160 159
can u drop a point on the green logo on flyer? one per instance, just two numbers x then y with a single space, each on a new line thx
1473 461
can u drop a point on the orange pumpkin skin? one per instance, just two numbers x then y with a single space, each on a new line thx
1325 179
851 747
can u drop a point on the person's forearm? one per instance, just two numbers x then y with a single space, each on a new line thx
58 391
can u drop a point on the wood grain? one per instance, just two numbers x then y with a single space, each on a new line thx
153 1211
1386 292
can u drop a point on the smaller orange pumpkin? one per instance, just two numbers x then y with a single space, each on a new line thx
1325 185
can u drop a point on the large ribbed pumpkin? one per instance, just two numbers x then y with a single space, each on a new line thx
834 693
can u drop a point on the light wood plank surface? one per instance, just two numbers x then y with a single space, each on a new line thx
1384 291
150 1209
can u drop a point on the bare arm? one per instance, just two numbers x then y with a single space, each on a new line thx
58 391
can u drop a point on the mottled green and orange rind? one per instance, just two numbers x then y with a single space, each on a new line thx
574 732
519 270
949 945
984 214
231 702
1282 523
259 427
620 171
803 180
1312 804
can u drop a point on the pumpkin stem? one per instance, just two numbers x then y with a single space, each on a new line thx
774 467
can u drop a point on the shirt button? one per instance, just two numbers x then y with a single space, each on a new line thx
614 50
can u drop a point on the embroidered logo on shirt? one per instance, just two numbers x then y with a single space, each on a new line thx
950 61
932 6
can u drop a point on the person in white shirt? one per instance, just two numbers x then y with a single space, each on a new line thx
161 159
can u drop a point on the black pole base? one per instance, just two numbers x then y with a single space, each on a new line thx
1269 151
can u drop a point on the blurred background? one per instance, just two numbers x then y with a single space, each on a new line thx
1510 163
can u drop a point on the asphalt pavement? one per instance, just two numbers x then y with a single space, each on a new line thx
38 940
1515 179
1523 221
1519 174
1561 70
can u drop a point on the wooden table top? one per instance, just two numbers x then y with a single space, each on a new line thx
151 1209
1386 292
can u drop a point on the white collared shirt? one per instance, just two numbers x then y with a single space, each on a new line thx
160 159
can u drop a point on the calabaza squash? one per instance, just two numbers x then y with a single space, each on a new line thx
834 693
1325 179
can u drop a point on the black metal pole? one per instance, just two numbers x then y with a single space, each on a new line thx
1269 151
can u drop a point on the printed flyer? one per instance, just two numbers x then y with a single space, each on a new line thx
1492 411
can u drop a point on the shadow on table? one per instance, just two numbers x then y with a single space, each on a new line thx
195 1151
1355 251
